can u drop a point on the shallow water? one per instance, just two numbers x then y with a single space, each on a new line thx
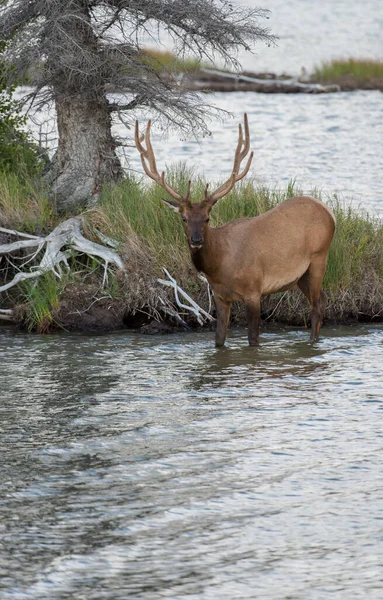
159 467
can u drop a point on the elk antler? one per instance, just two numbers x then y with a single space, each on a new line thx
242 149
147 155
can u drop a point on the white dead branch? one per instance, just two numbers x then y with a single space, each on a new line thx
6 314
59 245
201 315
209 293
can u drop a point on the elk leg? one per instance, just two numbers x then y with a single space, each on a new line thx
223 316
317 315
310 284
253 308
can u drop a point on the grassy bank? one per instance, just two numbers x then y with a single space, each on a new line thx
150 236
351 74
360 70
348 74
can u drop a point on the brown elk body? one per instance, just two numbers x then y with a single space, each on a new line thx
257 256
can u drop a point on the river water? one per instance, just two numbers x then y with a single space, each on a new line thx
160 467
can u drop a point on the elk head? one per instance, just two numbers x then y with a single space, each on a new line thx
195 215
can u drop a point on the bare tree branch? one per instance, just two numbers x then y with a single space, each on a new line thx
77 53
15 17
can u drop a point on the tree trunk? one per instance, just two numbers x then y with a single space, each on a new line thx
86 156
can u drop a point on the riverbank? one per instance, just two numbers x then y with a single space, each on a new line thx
190 75
338 75
149 237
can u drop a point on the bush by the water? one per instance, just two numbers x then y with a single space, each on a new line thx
19 154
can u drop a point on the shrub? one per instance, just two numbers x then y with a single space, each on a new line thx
18 153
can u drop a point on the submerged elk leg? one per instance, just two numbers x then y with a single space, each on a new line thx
253 309
317 314
310 284
223 316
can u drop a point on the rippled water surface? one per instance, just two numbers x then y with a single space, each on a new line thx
310 32
159 467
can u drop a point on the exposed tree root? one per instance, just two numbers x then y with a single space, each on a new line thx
68 234
33 256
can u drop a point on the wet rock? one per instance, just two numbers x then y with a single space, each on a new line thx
157 328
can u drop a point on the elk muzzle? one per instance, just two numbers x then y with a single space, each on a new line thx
196 240
194 232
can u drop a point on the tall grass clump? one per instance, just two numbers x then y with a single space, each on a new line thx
359 69
24 205
41 300
160 60
356 242
135 207
354 275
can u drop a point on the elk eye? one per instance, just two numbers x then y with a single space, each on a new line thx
184 219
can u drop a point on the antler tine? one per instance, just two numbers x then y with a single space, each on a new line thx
137 138
243 146
147 155
150 153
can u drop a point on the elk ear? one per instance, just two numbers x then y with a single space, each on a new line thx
172 204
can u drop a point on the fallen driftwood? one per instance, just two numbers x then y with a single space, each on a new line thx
209 80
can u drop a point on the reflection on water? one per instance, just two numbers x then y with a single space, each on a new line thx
138 467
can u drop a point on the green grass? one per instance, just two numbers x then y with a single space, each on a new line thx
357 246
152 236
160 60
42 298
23 204
360 70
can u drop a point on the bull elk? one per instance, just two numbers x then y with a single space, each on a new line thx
248 258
